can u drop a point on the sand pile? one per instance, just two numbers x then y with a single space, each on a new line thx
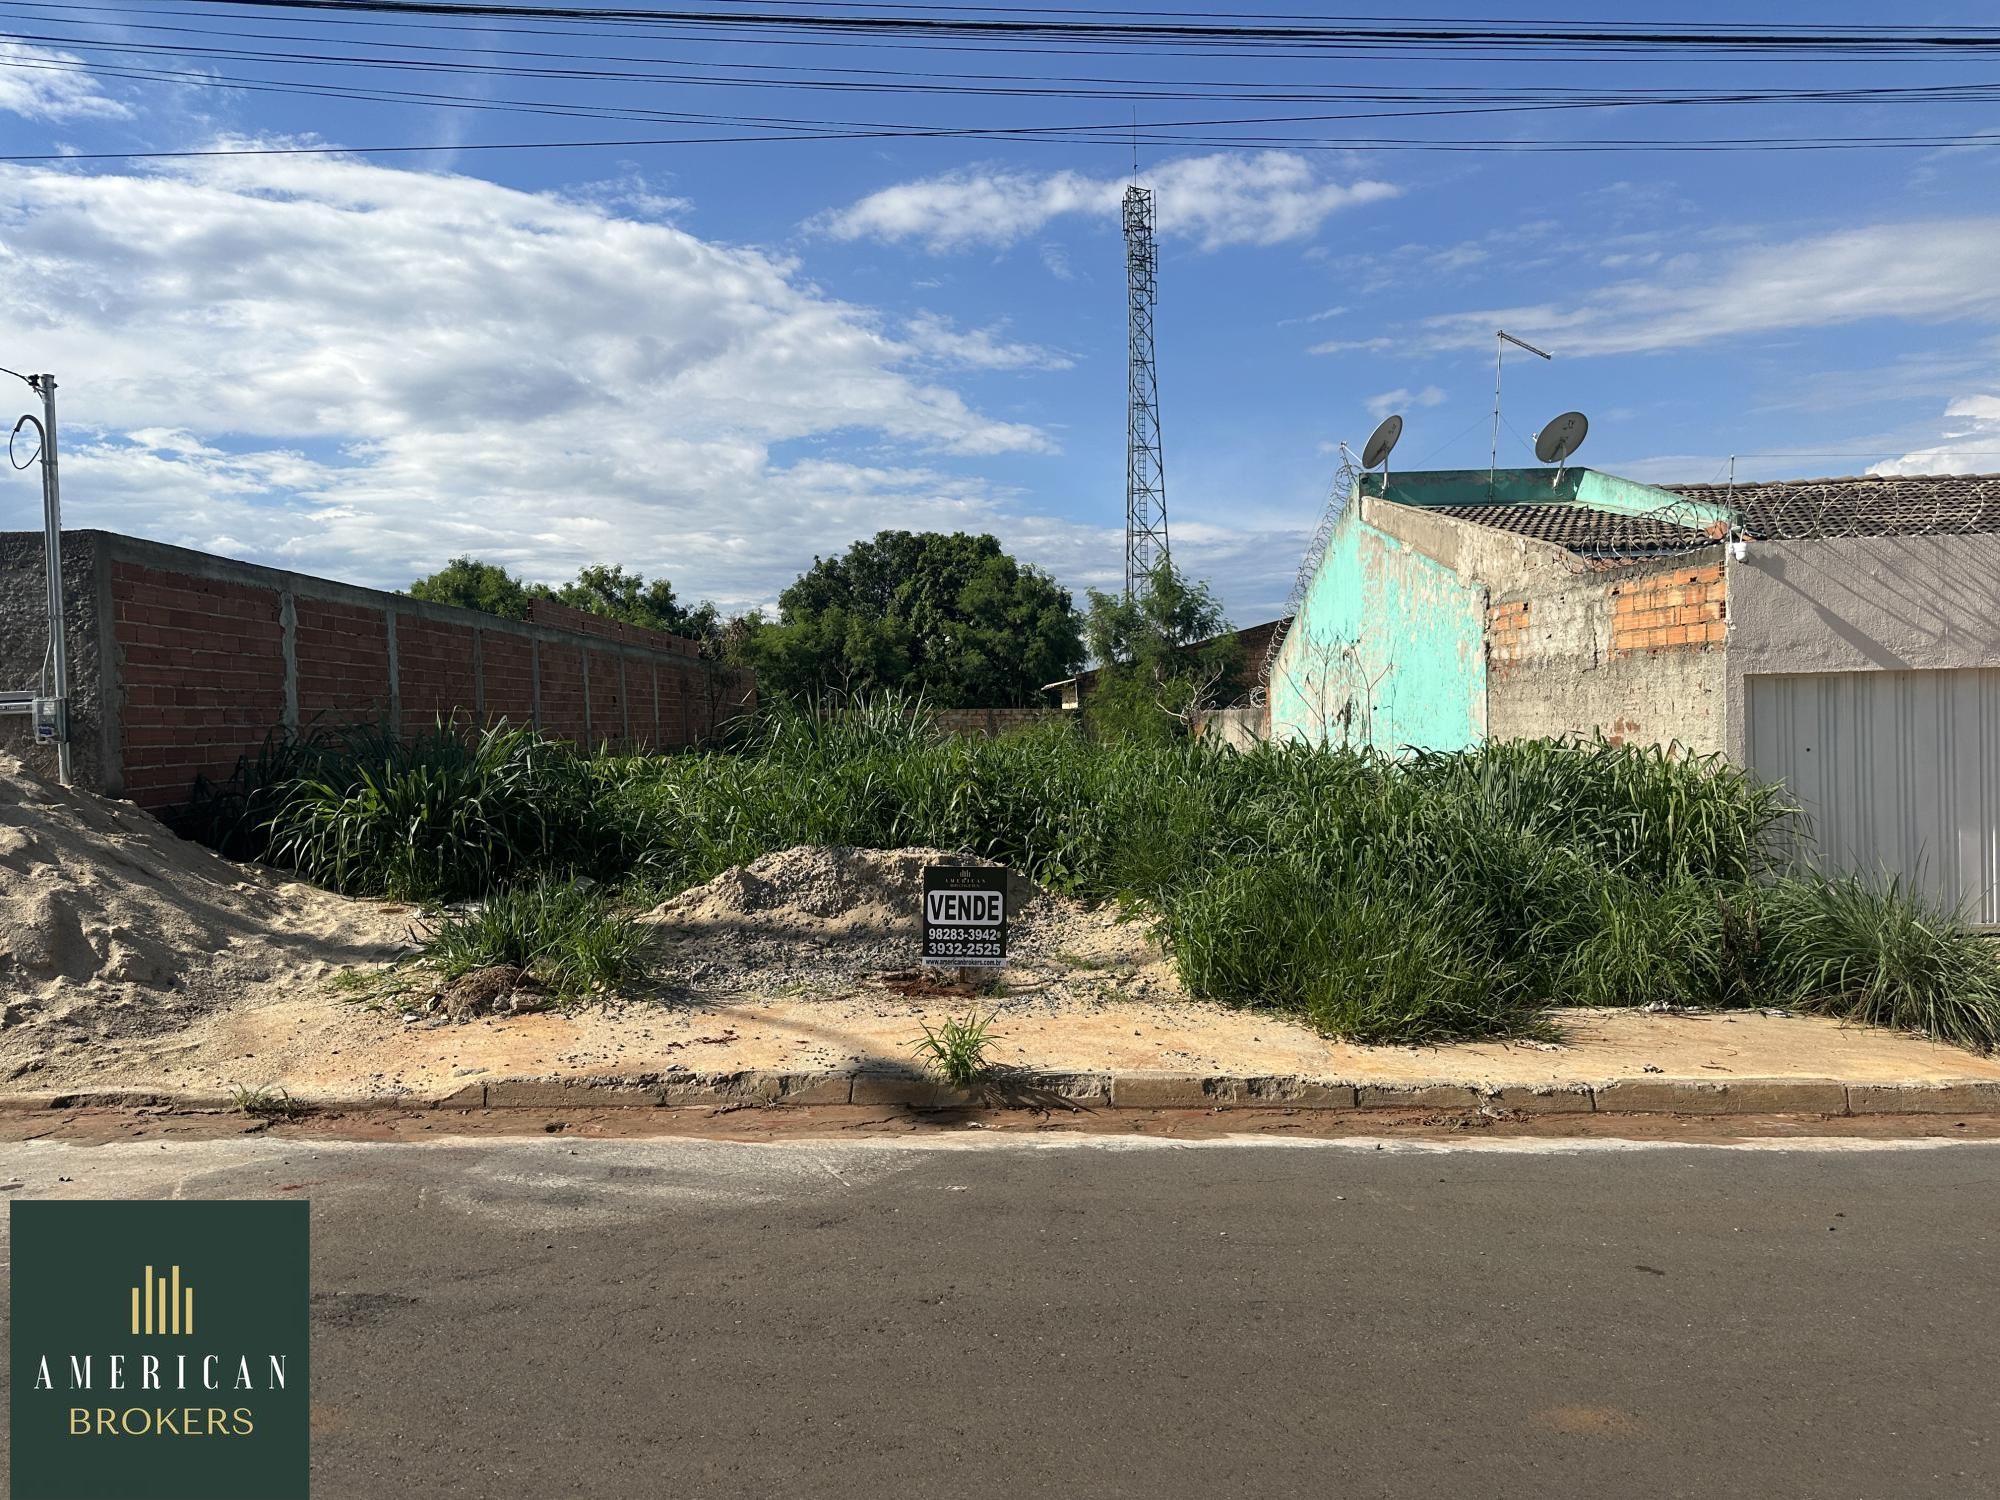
815 919
110 926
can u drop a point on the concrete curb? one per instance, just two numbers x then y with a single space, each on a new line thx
1097 1091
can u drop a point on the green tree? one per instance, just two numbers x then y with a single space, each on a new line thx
611 590
1161 658
472 584
624 594
947 615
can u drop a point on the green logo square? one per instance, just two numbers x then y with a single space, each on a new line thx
160 1351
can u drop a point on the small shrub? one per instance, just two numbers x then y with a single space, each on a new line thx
566 936
267 1103
956 1049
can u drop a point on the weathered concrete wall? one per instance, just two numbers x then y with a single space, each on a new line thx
1636 654
24 637
1860 604
183 661
1237 728
990 723
1388 648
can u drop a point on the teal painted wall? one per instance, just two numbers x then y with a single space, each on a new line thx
1388 649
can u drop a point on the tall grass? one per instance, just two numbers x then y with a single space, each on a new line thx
1409 899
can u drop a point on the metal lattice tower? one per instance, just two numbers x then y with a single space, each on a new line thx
1145 472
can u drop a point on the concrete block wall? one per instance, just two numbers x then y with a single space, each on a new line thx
182 661
1636 654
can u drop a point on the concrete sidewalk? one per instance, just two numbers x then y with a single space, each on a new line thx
1108 1055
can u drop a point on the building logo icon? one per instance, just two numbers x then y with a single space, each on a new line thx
162 1306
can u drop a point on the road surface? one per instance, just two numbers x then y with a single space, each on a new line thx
1105 1318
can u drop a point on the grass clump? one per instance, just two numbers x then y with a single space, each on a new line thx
1867 952
568 937
955 1050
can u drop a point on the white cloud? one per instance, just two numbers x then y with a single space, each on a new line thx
1924 272
1967 445
43 84
1401 399
934 336
362 370
1263 198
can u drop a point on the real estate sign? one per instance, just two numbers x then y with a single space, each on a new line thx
965 916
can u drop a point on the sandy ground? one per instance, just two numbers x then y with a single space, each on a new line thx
316 1046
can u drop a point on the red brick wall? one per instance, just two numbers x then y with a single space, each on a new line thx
562 692
343 661
202 673
507 664
1506 634
434 669
562 617
1682 610
607 701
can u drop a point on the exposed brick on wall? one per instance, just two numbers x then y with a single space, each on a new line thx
1687 609
342 651
507 662
202 675
435 677
1507 638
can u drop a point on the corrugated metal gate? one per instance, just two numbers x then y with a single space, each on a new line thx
1899 772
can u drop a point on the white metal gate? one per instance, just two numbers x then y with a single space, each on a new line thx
1899 772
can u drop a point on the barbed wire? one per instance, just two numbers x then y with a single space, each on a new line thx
1346 482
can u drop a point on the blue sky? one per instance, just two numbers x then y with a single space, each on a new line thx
715 361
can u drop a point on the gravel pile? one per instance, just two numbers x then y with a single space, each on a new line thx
827 920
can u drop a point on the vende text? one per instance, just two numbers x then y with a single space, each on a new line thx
966 908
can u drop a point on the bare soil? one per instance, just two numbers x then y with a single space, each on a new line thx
114 932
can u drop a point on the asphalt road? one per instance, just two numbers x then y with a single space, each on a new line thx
1101 1318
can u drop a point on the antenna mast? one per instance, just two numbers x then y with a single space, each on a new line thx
1145 470
1501 339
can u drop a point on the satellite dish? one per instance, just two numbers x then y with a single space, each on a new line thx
1556 442
1377 451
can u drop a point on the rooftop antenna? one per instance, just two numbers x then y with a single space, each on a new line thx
1379 446
1502 338
1559 439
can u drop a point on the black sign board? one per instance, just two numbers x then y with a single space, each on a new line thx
965 916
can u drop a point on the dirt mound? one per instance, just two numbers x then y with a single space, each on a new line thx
110 926
830 918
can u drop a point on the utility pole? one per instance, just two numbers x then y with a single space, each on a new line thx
1145 469
50 715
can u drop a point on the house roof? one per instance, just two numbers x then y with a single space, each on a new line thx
1583 529
1861 505
1858 505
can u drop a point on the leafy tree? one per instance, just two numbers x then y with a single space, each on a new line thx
1162 657
947 615
614 591
472 584
622 594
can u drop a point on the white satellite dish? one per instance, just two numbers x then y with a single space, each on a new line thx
1379 446
1559 439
